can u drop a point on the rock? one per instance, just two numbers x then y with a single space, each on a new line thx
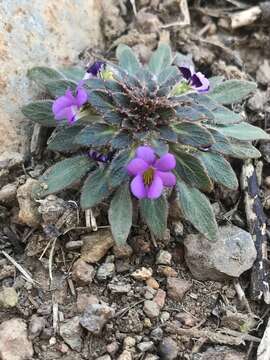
82 273
36 325
257 101
95 317
71 332
220 353
129 342
149 293
160 298
164 316
96 245
50 21
168 349
186 319
163 258
122 251
28 213
52 208
8 193
145 346
113 24
119 288
8 297
112 348
74 245
152 283
151 357
167 271
156 334
232 254
104 357
265 150
177 228
105 271
177 288
85 299
14 344
151 309
10 160
263 73
126 355
142 274
7 271
148 22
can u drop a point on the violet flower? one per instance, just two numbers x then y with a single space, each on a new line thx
196 80
68 106
94 70
151 174
100 157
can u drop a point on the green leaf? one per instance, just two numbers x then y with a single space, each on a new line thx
243 131
232 91
219 169
73 73
127 59
215 81
189 113
169 77
96 135
65 173
62 139
232 147
155 214
40 112
191 170
41 75
193 134
117 171
197 209
59 87
120 214
95 189
121 140
160 59
101 101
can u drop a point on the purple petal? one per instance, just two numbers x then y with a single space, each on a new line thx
71 114
168 178
186 71
137 187
200 82
137 166
155 189
166 162
146 153
59 106
95 68
81 97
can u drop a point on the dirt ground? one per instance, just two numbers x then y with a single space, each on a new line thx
185 325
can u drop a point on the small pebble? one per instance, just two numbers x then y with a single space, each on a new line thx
74 245
142 274
160 298
122 251
164 316
187 320
167 271
104 357
151 309
82 273
177 288
152 283
126 355
129 342
147 323
105 271
112 348
156 334
168 349
163 258
145 346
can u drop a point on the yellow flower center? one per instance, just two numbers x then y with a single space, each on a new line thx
148 176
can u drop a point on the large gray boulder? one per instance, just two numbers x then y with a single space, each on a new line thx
35 33
232 254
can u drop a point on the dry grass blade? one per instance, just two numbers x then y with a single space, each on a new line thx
25 274
134 7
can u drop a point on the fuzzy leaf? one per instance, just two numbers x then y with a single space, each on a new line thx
101 101
65 173
167 133
193 134
233 148
232 91
215 81
243 131
197 209
59 87
160 147
160 59
62 139
120 214
169 77
95 189
189 113
191 170
117 171
219 169
73 73
155 214
127 59
41 75
96 135
121 140
40 112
